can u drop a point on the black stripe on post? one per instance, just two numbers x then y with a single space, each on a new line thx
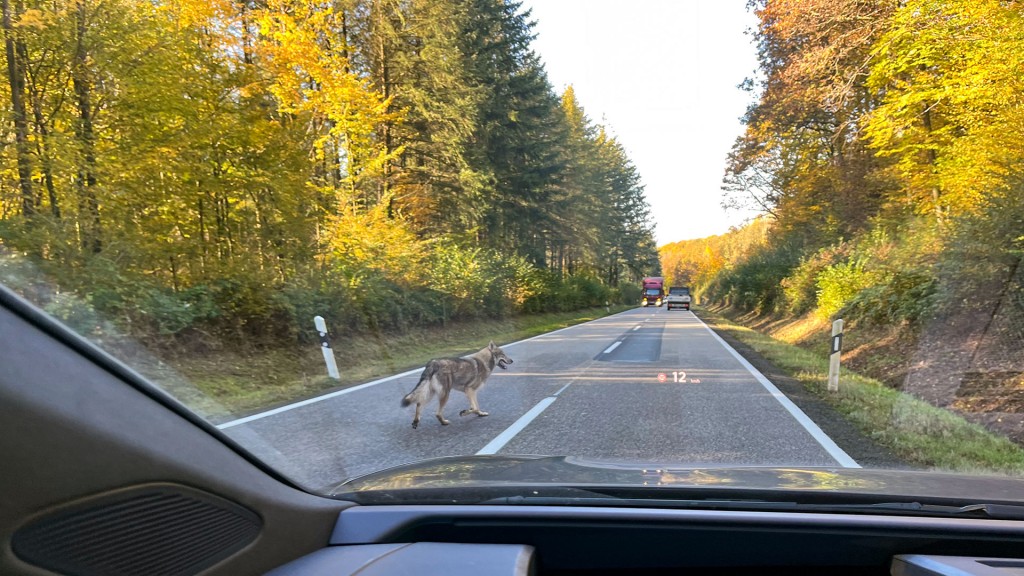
837 343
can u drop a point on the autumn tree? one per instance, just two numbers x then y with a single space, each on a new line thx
803 157
237 166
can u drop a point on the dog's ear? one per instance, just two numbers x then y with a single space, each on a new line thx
491 345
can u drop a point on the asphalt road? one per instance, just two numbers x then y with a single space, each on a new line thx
646 386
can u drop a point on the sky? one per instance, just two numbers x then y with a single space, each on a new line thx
662 75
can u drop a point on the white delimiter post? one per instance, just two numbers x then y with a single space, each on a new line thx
325 346
833 359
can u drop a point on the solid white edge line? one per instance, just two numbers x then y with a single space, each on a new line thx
833 449
509 433
330 395
309 401
609 349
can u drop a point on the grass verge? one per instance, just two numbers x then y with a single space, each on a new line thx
912 429
225 384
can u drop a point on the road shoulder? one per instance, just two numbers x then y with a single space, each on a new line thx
866 452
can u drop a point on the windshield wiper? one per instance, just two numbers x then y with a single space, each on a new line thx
990 511
638 502
994 511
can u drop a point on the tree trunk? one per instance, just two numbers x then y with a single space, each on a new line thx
247 57
16 78
932 161
89 210
385 81
45 155
203 240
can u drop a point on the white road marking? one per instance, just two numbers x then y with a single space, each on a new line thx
635 328
330 395
509 433
552 332
500 440
841 457
312 400
609 349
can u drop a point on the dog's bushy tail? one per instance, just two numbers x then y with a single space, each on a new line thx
422 387
409 397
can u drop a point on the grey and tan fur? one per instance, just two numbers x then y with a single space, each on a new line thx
442 375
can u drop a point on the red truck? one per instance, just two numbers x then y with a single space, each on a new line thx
654 291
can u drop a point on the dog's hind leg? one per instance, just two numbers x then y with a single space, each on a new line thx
416 418
442 399
427 396
474 408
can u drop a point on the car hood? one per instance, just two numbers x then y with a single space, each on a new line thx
474 472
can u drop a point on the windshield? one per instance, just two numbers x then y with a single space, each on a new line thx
358 235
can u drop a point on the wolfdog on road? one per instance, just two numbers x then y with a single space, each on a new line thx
468 375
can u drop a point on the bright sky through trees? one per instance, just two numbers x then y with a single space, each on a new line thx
663 74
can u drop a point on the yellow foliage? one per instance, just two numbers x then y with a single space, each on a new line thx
199 13
311 77
951 112
696 263
32 18
360 241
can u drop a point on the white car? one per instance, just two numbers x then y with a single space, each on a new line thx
678 297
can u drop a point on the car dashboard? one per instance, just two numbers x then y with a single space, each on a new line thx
485 539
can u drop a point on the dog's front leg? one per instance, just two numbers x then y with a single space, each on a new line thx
441 401
474 407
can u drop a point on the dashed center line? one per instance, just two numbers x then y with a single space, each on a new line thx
512 431
635 328
500 440
609 349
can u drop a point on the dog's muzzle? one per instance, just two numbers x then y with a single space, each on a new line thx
504 362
